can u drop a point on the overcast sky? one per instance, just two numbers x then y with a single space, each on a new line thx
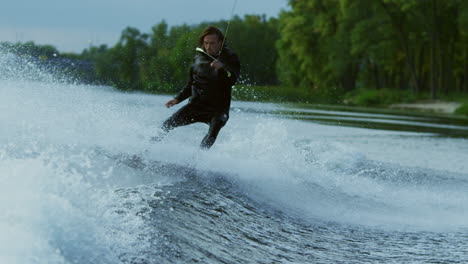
71 25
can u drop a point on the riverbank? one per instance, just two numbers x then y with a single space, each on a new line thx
425 113
377 101
436 106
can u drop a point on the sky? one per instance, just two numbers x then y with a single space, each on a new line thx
73 25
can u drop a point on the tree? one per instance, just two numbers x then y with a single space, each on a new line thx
398 44
314 48
129 54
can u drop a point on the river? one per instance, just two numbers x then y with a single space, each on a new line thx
81 183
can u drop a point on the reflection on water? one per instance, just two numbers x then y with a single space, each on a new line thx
444 125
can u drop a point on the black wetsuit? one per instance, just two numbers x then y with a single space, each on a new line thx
210 95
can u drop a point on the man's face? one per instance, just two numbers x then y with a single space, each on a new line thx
212 44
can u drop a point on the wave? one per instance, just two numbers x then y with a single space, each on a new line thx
82 184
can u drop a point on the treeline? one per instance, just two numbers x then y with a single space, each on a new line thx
318 49
402 45
159 61
30 49
32 57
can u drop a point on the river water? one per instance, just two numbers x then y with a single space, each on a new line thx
80 182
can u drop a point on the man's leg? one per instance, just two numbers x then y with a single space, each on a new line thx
217 122
182 117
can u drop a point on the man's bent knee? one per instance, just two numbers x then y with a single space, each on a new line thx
215 126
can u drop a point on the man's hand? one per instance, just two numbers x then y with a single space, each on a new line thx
172 102
216 64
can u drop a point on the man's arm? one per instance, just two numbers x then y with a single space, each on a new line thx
184 93
231 65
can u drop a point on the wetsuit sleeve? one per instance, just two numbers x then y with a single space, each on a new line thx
231 66
186 91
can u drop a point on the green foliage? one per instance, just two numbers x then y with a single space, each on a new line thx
462 110
253 38
373 97
314 48
318 51
413 45
68 67
284 94
181 56
159 61
30 49
129 53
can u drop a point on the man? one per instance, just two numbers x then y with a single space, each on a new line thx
212 76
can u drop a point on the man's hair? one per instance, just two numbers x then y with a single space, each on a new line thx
210 31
